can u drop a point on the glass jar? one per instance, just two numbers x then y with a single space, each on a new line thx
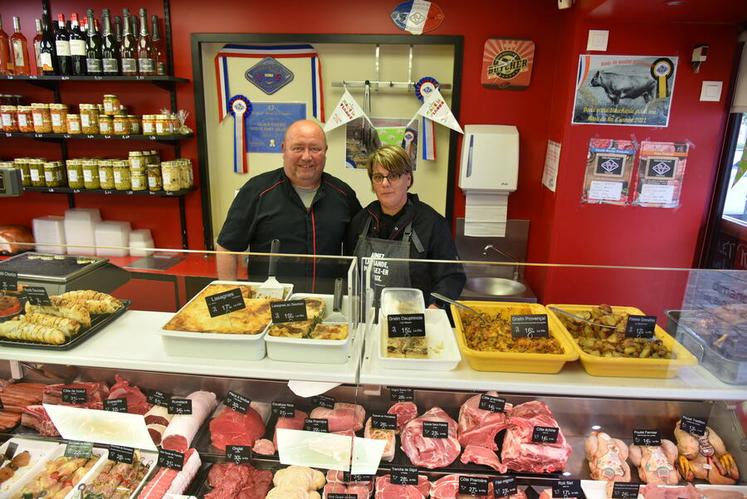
137 160
135 127
149 124
171 176
153 157
53 175
89 119
121 125
176 125
122 175
25 119
36 172
155 183
58 113
106 173
185 173
73 124
91 174
106 124
23 165
9 118
41 117
163 124
75 174
111 104
139 180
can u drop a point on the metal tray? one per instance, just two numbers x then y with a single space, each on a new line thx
98 322
53 268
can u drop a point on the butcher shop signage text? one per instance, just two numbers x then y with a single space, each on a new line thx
406 325
473 485
491 403
694 426
622 490
567 488
529 326
545 434
170 459
237 402
239 454
504 486
640 326
8 280
397 394
37 295
288 311
404 475
121 454
646 437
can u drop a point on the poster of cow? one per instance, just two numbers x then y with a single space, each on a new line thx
624 90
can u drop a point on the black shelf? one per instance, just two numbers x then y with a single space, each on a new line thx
66 136
107 192
151 79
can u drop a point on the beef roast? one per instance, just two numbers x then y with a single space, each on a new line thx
137 402
405 412
385 489
233 481
343 417
481 455
430 452
234 428
36 417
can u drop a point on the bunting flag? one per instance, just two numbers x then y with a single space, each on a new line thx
423 89
436 109
240 108
259 53
741 168
345 111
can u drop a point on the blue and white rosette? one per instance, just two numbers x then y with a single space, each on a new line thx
424 87
240 108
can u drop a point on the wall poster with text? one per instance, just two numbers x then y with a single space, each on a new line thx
624 90
661 168
609 167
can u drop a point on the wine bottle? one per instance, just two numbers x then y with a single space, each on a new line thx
94 55
62 47
110 47
118 29
47 55
6 63
37 46
77 47
144 47
158 53
19 46
128 49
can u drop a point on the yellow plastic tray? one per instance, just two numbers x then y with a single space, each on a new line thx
511 361
628 367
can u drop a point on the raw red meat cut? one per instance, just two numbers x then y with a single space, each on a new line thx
137 402
155 431
294 423
385 489
342 418
481 455
96 393
238 481
388 435
430 452
158 415
168 481
36 417
652 491
478 426
183 427
405 412
263 447
519 453
234 428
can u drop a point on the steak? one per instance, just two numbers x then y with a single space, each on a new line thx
430 452
385 489
519 453
96 393
234 428
405 412
478 426
481 455
137 402
36 417
232 481
294 423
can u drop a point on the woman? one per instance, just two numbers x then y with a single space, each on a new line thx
399 225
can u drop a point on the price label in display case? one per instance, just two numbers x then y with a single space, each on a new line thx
284 409
397 394
159 398
237 402
640 326
37 295
545 434
646 437
225 303
288 311
404 475
384 421
492 403
405 325
79 450
116 405
121 454
694 426
624 490
74 395
239 454
529 326
170 459
180 406
8 280
567 488
317 425
504 486
473 485
435 429
324 401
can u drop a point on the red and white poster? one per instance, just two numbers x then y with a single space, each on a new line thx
661 167
507 63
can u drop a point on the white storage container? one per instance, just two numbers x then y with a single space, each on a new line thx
39 451
307 350
49 234
401 301
140 239
112 238
79 230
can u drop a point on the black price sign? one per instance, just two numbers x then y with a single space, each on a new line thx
225 303
640 326
239 454
405 325
170 459
284 409
79 450
8 280
37 295
435 429
237 402
404 475
180 406
529 326
504 486
491 403
158 398
316 425
694 426
288 311
74 395
324 401
473 485
567 488
646 437
337 495
545 434
401 394
624 490
121 454
115 405
384 421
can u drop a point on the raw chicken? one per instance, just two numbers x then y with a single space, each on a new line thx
705 457
607 457
655 463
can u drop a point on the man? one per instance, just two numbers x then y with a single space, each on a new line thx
306 209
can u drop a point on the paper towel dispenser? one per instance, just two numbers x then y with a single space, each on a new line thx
490 158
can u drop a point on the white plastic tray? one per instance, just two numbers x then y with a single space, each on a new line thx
306 350
148 457
437 330
328 303
390 297
39 450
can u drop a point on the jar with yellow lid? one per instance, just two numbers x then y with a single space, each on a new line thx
53 174
111 104
23 165
121 125
25 119
89 119
149 124
41 117
91 173
139 180
9 118
73 124
121 175
106 173
58 113
163 124
170 172
137 160
135 127
155 182
74 173
106 124
36 172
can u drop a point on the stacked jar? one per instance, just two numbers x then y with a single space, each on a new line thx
42 117
23 165
138 169
25 119
54 174
36 172
75 173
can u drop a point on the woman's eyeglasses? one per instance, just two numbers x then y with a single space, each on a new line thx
379 178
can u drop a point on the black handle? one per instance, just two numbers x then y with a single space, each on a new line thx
273 265
337 302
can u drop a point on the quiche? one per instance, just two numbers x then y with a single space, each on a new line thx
329 332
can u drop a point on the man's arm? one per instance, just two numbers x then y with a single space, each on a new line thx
227 264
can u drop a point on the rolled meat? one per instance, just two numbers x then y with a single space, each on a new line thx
183 427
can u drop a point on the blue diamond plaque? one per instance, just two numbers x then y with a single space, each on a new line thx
269 75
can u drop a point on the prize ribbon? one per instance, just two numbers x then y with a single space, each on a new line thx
240 108
423 88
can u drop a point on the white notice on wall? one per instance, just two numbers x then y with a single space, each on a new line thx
552 162
605 191
653 193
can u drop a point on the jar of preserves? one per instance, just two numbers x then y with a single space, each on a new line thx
163 124
9 118
149 124
139 180
91 174
36 172
75 173
121 125
122 175
111 104
106 173
135 127
41 117
89 119
176 125
153 157
58 113
171 176
23 165
53 174
185 173
106 124
25 119
137 160
155 182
